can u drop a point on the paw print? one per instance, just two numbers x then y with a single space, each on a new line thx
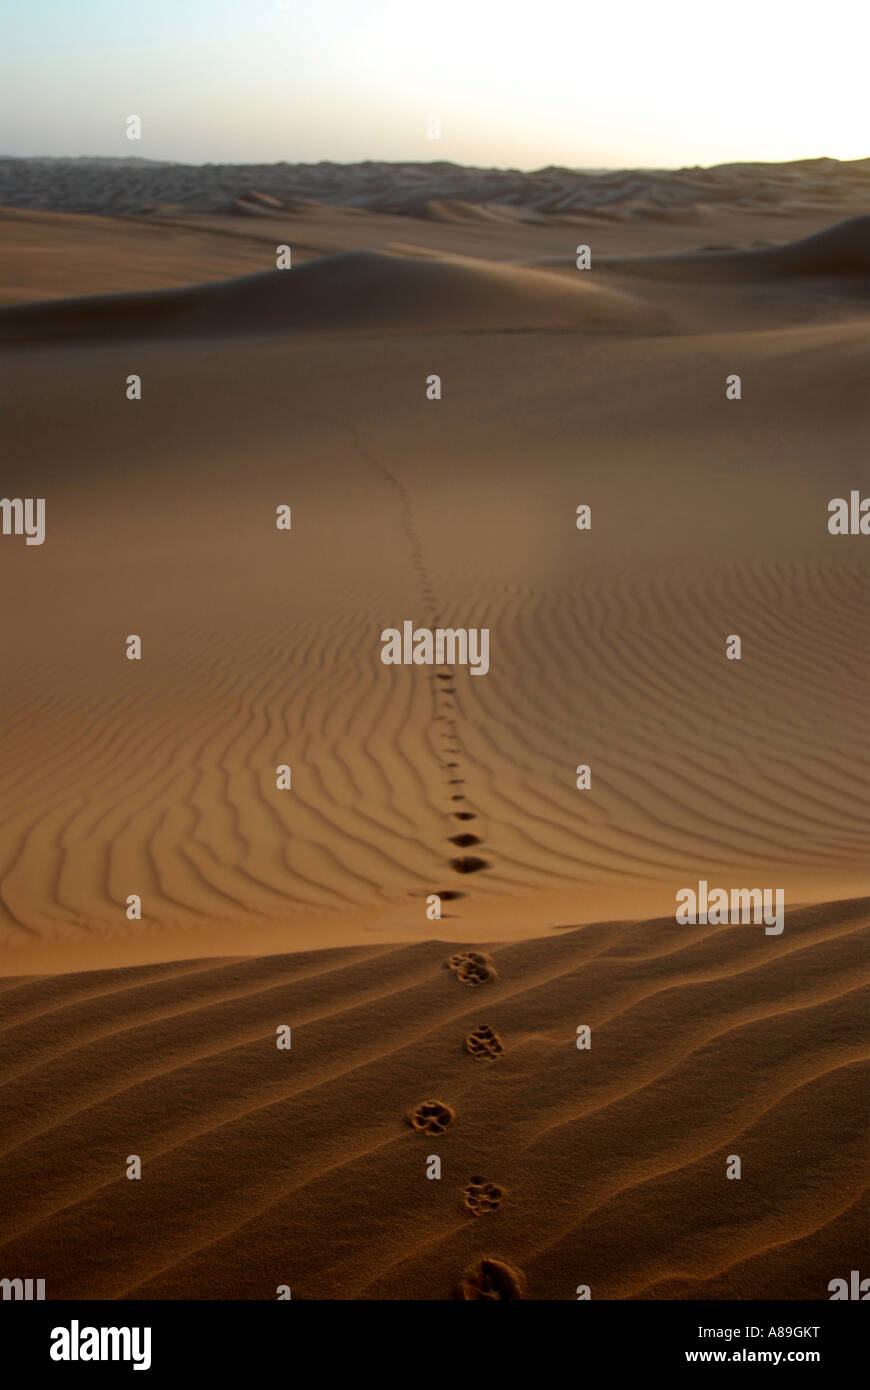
472 967
469 863
432 1117
492 1279
482 1196
484 1043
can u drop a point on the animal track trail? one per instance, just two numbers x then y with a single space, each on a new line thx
445 707
408 523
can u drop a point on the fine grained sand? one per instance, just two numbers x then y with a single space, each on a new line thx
308 908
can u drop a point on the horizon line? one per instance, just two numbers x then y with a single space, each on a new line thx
441 163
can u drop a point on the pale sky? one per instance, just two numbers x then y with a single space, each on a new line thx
611 83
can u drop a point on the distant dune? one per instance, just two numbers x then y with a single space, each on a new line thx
124 186
358 290
842 250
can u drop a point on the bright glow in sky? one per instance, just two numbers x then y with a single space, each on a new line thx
614 82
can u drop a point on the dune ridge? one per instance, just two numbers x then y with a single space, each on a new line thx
413 288
840 251
362 291
137 185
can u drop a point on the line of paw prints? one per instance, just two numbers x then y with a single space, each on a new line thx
489 1279
463 863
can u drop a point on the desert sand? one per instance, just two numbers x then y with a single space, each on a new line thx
261 647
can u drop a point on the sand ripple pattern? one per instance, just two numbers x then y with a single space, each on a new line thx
705 1044
167 786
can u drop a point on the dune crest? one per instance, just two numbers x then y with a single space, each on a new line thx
352 290
840 251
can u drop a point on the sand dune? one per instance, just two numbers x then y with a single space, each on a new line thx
261 648
840 251
269 650
424 292
263 1167
363 291
456 210
136 185
46 255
